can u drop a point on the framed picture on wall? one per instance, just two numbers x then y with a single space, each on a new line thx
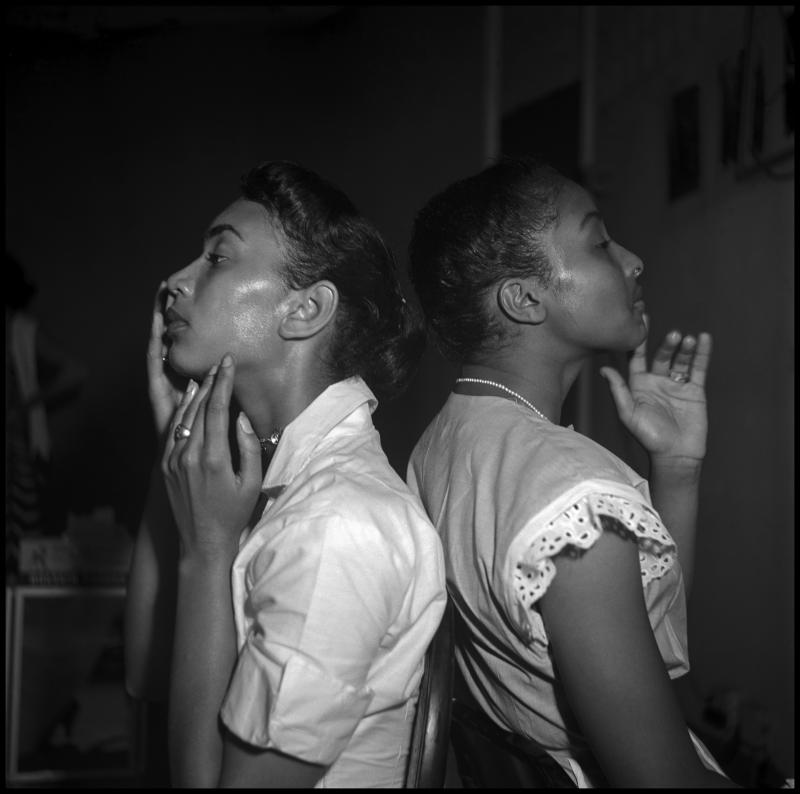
68 715
765 93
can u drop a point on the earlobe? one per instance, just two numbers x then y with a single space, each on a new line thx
520 301
309 310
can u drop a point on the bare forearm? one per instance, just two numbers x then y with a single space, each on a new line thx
150 598
203 659
675 488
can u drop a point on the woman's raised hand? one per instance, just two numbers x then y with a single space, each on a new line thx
211 503
665 408
164 395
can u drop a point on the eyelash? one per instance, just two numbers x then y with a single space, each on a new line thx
215 259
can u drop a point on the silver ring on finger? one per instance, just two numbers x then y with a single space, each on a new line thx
181 431
678 377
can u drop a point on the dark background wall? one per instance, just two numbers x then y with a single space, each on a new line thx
122 147
719 256
128 128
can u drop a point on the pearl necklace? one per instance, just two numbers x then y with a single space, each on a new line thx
505 389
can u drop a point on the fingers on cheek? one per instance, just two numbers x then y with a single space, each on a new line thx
200 411
202 394
188 396
195 407
219 396
223 379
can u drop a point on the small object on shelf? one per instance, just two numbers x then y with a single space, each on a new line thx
94 549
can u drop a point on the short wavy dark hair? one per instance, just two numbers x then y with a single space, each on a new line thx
472 235
377 334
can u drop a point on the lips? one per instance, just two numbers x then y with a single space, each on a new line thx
174 320
638 296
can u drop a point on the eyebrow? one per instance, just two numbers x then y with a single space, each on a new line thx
589 216
219 229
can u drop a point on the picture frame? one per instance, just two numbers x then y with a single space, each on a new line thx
68 715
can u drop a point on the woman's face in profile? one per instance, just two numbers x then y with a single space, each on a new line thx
229 298
596 301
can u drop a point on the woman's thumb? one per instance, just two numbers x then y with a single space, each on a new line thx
619 390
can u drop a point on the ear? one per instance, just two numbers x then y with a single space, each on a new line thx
520 299
309 310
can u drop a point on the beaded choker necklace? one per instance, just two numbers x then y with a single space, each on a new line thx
505 389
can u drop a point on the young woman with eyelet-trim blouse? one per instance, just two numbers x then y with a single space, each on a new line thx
568 580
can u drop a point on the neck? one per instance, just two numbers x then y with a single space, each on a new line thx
542 381
273 402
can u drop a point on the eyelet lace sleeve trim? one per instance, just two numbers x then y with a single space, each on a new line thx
577 528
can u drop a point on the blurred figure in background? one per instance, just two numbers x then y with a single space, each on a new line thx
40 377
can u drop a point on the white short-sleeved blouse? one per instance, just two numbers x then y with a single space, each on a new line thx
337 592
508 491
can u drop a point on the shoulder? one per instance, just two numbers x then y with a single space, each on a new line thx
588 532
485 430
358 509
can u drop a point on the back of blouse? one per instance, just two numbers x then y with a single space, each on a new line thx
508 492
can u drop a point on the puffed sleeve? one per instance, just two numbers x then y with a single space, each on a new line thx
571 524
321 595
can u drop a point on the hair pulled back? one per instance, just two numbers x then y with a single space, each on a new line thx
472 235
376 334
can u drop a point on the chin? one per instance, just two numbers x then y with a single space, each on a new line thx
631 340
186 368
638 332
635 340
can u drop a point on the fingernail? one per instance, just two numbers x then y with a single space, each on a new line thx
191 388
213 371
227 360
245 423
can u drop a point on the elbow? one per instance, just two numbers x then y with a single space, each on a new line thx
144 682
136 685
146 671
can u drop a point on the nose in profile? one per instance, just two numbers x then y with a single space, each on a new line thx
633 265
180 282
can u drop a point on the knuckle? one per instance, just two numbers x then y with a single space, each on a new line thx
187 459
212 462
